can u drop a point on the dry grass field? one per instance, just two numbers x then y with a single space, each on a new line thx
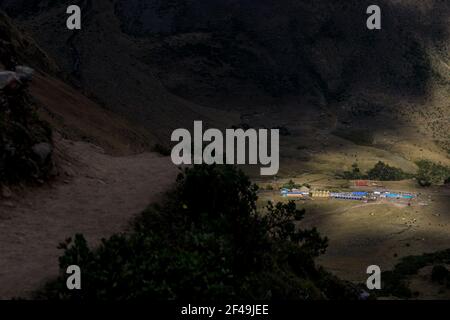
361 234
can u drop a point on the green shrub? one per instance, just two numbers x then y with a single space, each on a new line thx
291 185
355 174
384 172
380 171
431 173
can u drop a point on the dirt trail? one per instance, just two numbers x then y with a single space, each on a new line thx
97 196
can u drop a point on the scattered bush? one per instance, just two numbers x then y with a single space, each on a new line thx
355 174
292 185
384 172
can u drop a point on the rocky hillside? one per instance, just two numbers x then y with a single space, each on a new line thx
25 141
30 110
26 145
106 64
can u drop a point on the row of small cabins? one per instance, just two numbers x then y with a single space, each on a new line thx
305 193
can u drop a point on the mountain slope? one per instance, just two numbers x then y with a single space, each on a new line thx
94 191
310 66
69 112
106 67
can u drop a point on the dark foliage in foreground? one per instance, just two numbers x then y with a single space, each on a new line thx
207 242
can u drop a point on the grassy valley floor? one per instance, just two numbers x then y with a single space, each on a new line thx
361 234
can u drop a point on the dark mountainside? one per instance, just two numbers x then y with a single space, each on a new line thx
171 59
251 56
100 53
288 47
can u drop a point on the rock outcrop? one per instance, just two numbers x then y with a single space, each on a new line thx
25 141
